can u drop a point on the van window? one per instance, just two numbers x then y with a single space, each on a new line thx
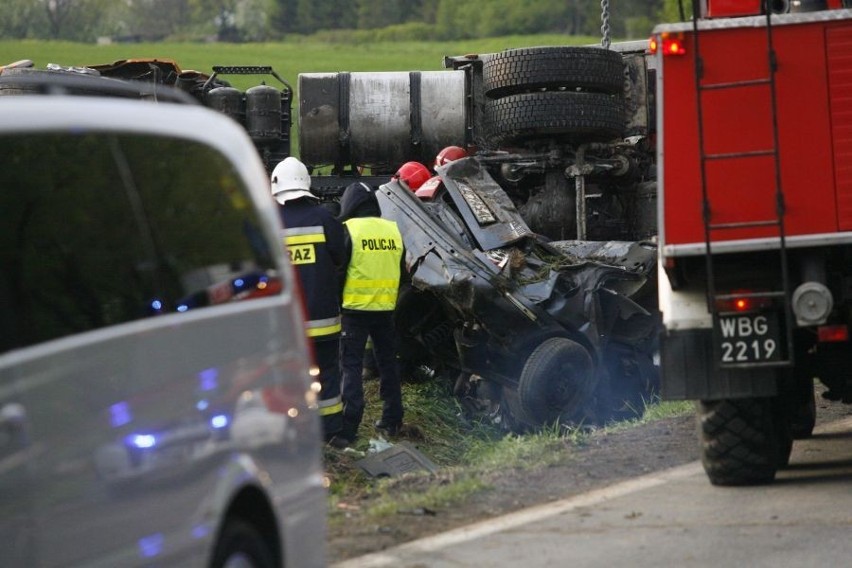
101 229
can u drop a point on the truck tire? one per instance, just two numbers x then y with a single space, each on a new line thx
804 416
802 407
567 116
516 71
556 382
741 441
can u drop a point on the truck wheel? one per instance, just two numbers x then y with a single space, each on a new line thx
556 382
799 402
803 418
572 117
516 71
741 442
242 546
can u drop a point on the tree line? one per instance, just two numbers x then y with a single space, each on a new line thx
272 20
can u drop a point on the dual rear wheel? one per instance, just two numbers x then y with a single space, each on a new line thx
745 441
571 94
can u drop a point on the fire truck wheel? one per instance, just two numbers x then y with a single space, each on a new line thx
516 71
802 409
571 117
556 382
804 417
741 442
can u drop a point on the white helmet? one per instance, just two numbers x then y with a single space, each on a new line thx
290 180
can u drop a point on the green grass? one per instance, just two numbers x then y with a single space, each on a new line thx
465 453
288 58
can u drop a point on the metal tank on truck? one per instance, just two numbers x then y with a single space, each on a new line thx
755 223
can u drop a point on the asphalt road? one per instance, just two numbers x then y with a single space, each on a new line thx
673 518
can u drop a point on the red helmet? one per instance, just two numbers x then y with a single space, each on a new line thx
450 154
413 174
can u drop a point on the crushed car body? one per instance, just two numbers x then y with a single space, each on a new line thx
539 331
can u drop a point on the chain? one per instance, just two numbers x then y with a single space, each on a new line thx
605 28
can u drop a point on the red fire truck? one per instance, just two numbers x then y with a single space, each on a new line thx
754 107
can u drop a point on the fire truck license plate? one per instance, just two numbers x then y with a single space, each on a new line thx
749 338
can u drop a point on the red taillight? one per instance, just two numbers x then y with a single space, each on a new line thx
742 302
668 44
833 333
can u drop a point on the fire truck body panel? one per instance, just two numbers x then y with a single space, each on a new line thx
813 86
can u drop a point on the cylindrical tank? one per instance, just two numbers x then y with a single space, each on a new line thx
227 100
263 113
379 120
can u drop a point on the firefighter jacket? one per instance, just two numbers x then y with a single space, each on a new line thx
374 269
314 241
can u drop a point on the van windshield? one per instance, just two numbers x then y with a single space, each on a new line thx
102 228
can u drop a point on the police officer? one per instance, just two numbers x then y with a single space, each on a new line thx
375 256
314 240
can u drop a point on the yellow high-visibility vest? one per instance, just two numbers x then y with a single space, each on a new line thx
372 278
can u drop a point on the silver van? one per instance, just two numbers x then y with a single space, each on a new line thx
157 405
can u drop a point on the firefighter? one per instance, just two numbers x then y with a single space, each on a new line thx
314 241
412 174
430 187
374 268
449 154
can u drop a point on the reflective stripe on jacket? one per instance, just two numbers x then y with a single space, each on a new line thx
372 278
314 240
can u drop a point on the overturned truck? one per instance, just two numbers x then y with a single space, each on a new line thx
533 267
533 284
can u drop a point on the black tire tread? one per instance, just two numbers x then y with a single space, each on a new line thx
803 411
516 71
739 445
539 403
588 117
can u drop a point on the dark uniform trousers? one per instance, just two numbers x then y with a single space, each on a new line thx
357 326
326 354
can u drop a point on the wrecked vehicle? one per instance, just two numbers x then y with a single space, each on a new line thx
534 331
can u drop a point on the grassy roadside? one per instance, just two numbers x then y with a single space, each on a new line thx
465 453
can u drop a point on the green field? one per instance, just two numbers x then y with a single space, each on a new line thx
288 59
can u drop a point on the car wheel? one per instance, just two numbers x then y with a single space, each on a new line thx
741 442
567 116
515 71
242 546
556 382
